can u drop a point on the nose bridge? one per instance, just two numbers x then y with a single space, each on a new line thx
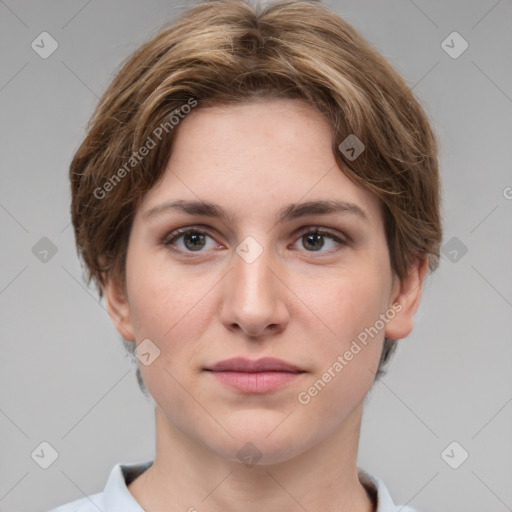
253 298
252 278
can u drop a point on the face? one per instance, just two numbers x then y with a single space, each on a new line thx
270 278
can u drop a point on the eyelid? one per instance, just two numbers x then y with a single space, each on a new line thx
176 233
323 231
340 239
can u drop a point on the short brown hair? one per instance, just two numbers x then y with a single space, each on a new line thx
227 51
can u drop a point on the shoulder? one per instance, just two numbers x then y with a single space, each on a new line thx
91 503
115 496
380 494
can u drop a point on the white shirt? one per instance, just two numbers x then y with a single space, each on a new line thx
117 498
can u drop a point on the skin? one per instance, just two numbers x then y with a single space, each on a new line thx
293 302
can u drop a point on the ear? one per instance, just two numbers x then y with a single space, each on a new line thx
406 298
118 307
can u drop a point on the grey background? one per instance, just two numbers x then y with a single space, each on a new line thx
64 375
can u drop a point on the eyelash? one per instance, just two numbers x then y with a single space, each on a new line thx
168 239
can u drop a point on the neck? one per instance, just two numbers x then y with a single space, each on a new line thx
187 475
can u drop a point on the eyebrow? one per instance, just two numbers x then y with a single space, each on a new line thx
289 212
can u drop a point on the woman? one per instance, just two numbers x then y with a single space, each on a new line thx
257 200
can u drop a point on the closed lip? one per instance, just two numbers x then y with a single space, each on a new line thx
265 364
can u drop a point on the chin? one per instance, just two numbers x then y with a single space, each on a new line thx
260 445
260 452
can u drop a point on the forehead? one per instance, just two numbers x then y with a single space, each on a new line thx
253 156
271 130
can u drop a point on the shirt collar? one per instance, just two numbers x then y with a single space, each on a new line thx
117 496
379 493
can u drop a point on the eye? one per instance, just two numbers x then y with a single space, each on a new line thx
314 239
194 240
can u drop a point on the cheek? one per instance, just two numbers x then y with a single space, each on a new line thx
348 301
350 307
348 357
172 309
162 298
168 307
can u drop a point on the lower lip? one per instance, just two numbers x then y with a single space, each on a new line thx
257 382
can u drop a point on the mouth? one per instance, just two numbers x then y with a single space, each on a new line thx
260 376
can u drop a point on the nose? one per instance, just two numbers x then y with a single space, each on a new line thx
254 297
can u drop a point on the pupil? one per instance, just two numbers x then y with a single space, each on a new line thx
198 239
314 238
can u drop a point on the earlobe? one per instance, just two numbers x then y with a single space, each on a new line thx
118 308
406 298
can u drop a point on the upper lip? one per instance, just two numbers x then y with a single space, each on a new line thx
265 364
